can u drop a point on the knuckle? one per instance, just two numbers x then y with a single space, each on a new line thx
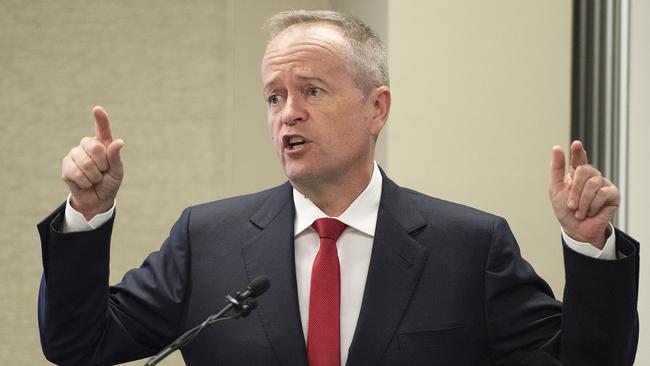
65 173
96 148
587 170
595 170
66 164
602 195
86 165
76 175
97 177
76 153
79 177
93 178
594 183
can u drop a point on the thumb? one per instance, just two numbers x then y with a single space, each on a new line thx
558 162
116 170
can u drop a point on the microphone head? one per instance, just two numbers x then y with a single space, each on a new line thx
259 285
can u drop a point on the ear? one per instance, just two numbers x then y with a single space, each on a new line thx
380 99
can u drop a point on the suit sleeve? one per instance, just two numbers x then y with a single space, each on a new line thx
600 320
595 325
83 321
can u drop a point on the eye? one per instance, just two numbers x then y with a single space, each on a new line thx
273 99
314 91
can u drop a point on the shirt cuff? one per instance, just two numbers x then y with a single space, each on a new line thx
74 221
608 252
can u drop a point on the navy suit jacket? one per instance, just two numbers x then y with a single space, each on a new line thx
446 286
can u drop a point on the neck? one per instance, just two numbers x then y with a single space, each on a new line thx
334 197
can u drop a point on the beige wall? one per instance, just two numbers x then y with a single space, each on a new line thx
638 199
479 91
160 70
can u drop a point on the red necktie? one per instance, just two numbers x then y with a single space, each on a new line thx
323 334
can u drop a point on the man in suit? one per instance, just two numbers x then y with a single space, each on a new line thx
405 280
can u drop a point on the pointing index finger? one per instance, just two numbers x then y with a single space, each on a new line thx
578 154
102 126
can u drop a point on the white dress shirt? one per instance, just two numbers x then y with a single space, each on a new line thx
354 248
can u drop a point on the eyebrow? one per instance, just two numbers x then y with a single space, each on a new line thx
268 87
272 85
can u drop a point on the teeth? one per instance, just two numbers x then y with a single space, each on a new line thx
295 140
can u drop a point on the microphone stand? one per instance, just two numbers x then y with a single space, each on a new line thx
243 308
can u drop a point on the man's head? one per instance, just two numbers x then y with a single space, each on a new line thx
325 108
364 52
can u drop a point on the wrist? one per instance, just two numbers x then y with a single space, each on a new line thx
597 240
90 211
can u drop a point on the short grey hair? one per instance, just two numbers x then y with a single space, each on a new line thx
365 53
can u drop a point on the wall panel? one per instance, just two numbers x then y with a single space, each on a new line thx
481 92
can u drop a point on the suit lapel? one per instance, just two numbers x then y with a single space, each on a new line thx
271 252
396 265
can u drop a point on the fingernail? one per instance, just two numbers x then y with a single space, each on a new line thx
572 204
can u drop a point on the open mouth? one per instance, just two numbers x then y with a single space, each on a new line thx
291 142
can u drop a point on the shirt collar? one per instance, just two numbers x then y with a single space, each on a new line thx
360 215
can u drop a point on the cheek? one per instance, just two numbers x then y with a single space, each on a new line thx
273 123
356 140
273 131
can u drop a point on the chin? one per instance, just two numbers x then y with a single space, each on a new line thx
300 174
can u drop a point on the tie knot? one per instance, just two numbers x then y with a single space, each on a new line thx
329 228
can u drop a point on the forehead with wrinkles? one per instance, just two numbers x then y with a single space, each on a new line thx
304 43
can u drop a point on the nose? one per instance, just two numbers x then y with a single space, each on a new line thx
294 111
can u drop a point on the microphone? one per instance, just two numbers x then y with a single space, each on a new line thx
258 286
243 303
540 359
244 300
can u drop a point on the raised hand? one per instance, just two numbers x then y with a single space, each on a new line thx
93 170
583 200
